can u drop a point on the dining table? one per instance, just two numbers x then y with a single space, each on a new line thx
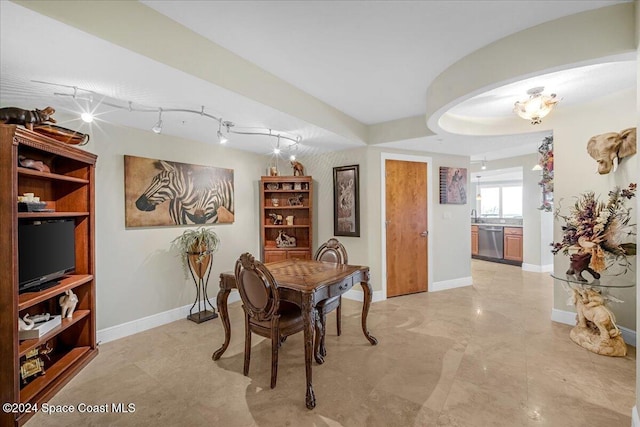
304 283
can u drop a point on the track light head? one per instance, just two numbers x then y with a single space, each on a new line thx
86 117
157 128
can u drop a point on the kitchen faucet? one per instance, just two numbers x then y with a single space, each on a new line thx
474 215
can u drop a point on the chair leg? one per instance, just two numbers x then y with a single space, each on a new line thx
247 345
339 317
275 344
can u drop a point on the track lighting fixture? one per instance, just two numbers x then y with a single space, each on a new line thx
157 128
89 95
484 165
276 150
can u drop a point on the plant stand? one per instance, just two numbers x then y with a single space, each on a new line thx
200 274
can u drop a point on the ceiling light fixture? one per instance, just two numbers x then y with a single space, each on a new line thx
537 106
479 196
484 165
537 167
157 128
86 117
221 138
276 150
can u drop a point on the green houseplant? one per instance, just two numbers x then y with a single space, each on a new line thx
195 247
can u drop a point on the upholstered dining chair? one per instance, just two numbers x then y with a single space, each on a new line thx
331 251
265 314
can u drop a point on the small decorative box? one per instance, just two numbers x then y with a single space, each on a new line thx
31 206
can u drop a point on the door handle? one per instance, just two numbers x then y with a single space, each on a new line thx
424 233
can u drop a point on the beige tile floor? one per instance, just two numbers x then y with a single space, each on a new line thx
485 355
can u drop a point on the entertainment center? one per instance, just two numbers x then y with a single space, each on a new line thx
45 252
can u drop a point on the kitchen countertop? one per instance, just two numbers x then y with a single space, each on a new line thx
497 225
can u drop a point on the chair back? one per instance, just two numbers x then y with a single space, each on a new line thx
257 287
332 251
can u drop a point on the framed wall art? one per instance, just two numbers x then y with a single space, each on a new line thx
161 192
346 201
453 185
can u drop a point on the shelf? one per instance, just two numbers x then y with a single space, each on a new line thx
51 214
29 299
286 226
286 191
295 248
28 345
34 387
286 207
49 175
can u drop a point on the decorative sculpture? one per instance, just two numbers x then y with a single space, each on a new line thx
68 303
285 241
596 329
295 200
580 262
608 148
298 168
25 323
33 164
289 220
275 219
27 118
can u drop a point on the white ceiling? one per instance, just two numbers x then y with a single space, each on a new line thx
371 60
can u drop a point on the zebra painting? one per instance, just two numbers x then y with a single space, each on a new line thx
160 192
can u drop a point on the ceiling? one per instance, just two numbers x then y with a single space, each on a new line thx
372 61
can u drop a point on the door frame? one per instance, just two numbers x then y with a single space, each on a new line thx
383 212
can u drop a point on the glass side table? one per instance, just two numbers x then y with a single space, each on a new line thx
596 328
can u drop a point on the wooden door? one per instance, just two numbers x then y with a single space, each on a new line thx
406 225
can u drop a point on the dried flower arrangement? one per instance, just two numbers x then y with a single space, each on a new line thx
600 229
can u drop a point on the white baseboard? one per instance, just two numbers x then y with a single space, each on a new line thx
569 318
149 322
358 295
635 420
535 268
451 284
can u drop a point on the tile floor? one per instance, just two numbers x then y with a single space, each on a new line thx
483 355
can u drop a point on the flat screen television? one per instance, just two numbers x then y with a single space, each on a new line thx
46 252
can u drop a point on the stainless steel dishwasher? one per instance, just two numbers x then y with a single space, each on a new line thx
491 241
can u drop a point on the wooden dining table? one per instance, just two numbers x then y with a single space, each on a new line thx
304 283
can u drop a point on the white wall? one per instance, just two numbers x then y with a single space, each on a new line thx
575 174
136 275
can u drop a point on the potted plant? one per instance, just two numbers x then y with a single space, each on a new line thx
196 247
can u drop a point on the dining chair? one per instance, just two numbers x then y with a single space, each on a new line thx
265 314
331 251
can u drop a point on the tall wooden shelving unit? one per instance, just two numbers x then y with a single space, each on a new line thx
69 190
281 189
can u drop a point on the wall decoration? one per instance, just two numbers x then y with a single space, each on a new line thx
453 185
160 192
609 148
546 183
346 201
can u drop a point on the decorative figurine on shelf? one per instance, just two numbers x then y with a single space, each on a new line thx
273 171
285 241
32 366
580 262
68 303
289 220
295 200
25 323
298 169
33 164
276 219
275 201
27 118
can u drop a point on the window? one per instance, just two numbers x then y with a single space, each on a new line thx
501 201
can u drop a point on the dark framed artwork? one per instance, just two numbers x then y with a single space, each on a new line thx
346 201
161 192
453 185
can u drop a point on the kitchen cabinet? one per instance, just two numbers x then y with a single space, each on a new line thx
474 240
513 243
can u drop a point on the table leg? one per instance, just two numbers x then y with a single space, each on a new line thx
221 301
319 349
309 314
366 287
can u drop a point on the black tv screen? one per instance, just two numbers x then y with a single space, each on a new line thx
46 251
